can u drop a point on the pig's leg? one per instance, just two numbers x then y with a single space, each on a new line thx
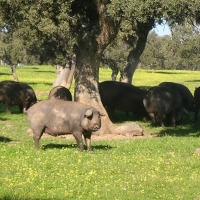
160 119
79 140
153 119
37 134
7 108
21 108
88 141
196 113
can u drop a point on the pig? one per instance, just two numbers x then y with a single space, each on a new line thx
197 102
60 92
186 95
124 97
59 117
160 101
17 93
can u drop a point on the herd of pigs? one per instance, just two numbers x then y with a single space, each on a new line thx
60 115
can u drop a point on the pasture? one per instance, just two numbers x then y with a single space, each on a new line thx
161 165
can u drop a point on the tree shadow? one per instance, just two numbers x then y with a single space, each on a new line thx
7 197
14 109
5 139
193 81
5 73
167 72
40 71
190 130
34 83
3 119
122 117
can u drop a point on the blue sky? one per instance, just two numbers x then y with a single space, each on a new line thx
162 30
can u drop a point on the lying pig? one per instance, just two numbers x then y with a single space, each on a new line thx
59 117
60 92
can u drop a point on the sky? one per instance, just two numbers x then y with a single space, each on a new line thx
162 30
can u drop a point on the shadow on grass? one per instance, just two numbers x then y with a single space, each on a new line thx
19 198
167 72
101 147
3 119
74 146
58 146
5 139
193 81
38 83
190 130
5 73
122 117
186 128
42 71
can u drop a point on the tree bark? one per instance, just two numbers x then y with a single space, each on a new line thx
93 38
142 30
14 73
62 76
112 64
72 71
65 74
95 30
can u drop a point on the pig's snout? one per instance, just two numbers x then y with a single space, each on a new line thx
96 127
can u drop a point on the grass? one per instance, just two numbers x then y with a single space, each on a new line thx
165 167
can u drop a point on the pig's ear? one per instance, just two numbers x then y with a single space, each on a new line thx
88 113
101 113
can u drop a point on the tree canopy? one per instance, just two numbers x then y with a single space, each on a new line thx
47 30
179 51
41 26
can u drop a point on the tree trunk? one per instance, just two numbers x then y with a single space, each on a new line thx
70 77
65 74
112 64
142 30
62 76
13 70
86 83
98 31
72 71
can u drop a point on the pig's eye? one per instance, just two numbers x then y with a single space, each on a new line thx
90 117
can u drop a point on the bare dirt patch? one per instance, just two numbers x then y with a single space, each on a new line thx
97 137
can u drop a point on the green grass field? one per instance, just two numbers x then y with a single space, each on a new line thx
164 167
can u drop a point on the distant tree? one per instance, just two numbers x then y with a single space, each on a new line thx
187 38
153 55
115 56
142 17
43 27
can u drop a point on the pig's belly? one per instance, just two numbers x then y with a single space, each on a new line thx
57 130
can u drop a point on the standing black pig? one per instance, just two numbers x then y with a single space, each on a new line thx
160 101
124 97
58 117
60 92
16 93
197 102
186 95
